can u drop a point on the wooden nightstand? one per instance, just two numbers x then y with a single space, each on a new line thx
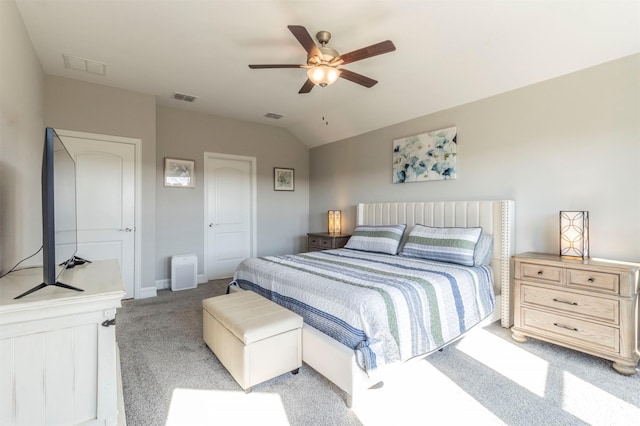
587 305
325 241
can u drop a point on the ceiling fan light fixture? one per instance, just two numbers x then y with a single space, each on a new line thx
323 75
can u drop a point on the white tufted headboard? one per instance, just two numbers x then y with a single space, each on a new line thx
495 218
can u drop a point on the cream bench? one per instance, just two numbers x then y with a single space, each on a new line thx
254 338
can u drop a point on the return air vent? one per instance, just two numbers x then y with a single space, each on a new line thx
274 115
85 65
184 97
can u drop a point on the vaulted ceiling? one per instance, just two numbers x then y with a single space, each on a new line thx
447 52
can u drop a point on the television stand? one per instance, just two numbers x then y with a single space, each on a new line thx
43 285
72 262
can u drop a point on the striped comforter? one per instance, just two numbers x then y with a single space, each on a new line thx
387 308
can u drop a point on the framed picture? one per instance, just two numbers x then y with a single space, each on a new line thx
283 179
179 173
427 156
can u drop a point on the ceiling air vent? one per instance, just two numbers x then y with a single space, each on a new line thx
274 115
85 65
184 97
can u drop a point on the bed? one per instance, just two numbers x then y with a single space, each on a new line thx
368 310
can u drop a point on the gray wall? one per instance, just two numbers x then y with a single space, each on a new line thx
571 143
21 136
86 107
282 216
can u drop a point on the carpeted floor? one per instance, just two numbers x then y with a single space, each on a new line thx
170 377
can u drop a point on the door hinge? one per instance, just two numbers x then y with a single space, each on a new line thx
109 322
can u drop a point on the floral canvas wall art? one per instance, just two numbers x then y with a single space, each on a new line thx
427 156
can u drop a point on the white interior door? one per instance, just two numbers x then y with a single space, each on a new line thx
230 213
105 187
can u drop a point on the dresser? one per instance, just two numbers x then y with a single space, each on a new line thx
588 305
58 348
325 241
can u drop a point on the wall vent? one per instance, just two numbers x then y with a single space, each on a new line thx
85 65
274 115
184 97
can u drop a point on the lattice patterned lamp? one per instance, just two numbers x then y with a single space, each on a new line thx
335 222
574 234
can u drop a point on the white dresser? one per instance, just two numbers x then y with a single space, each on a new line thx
58 356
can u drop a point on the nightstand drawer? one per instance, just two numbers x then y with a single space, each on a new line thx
571 330
589 280
543 273
588 306
323 243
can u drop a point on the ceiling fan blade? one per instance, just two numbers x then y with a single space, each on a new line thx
357 78
258 67
367 52
306 87
304 38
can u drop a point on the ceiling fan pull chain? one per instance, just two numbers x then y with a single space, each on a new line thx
326 122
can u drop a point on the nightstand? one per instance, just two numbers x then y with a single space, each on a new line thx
588 305
324 241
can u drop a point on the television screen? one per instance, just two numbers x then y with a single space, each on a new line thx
64 202
59 243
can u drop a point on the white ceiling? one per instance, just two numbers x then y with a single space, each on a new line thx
448 52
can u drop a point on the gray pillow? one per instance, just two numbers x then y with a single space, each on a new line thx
484 250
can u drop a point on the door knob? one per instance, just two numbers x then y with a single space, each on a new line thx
211 225
126 230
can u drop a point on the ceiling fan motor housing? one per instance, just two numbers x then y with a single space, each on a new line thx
326 55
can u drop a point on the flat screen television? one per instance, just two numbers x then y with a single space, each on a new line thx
59 226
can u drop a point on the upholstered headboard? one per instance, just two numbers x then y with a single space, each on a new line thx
495 218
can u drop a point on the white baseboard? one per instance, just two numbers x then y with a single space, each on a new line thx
148 292
165 284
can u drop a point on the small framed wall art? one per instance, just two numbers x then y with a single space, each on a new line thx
283 179
179 173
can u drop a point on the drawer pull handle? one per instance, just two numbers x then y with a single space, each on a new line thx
565 326
539 273
565 301
591 280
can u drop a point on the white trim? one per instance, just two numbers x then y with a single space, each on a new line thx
137 143
148 292
165 284
208 156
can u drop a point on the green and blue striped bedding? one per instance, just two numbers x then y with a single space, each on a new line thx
387 308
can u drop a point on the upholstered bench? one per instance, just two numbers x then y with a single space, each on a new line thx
254 338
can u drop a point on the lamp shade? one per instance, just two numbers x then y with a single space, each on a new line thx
335 222
574 234
323 75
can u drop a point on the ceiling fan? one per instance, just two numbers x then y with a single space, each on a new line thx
323 62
